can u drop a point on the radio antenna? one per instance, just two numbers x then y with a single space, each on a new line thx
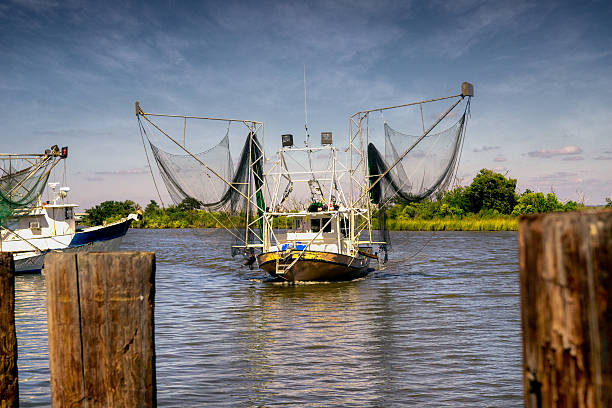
306 127
306 111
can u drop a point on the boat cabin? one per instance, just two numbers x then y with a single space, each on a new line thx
41 221
326 231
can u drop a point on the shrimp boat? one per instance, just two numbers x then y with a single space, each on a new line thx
304 214
30 227
329 240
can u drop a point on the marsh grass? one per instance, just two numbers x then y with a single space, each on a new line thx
455 224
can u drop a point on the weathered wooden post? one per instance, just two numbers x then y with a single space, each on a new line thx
566 308
9 388
101 339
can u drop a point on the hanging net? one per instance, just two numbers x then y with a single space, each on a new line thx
210 181
186 177
23 178
426 169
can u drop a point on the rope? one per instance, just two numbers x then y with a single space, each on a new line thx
409 257
218 220
143 131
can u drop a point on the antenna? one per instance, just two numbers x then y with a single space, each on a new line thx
306 111
312 177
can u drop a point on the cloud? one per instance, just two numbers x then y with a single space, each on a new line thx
73 133
548 153
603 157
130 172
501 170
573 158
559 176
500 159
484 149
486 20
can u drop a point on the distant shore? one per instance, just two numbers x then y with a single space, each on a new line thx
205 220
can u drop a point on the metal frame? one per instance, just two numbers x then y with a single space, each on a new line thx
36 161
254 127
360 184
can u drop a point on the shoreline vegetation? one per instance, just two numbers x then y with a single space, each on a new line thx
490 203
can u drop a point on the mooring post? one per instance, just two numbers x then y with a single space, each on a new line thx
100 320
9 388
566 308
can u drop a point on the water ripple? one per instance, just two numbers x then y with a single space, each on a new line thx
440 327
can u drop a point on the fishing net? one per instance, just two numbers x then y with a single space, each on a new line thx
186 177
22 180
426 169
199 178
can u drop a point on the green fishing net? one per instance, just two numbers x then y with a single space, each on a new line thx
22 180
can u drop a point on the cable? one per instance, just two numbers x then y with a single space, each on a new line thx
143 131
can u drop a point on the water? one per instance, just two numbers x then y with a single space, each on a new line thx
440 326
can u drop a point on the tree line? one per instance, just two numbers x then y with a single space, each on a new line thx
489 195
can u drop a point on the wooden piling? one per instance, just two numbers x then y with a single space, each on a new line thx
566 308
9 388
101 338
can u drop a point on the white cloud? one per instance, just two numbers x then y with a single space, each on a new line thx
560 176
500 159
548 153
484 149
129 172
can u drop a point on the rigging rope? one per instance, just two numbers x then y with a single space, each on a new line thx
143 131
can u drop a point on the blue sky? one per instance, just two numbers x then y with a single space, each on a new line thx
72 70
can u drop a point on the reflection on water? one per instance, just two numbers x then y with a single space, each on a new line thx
31 327
438 327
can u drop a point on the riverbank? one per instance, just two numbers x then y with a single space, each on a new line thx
199 219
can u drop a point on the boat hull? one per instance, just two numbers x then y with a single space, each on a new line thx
104 238
315 266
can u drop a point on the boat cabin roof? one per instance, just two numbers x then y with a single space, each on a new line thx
60 205
311 214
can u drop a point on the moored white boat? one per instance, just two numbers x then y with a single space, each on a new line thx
31 228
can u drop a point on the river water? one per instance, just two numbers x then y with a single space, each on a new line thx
439 326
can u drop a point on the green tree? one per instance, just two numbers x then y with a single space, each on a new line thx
110 211
151 207
491 191
530 202
570 206
457 198
608 202
189 204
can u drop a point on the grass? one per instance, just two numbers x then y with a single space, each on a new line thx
202 219
455 224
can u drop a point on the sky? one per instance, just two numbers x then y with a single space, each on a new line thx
71 71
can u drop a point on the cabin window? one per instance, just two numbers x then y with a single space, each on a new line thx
35 227
298 225
315 225
68 213
344 227
328 227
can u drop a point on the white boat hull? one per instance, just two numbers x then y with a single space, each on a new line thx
33 262
101 238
